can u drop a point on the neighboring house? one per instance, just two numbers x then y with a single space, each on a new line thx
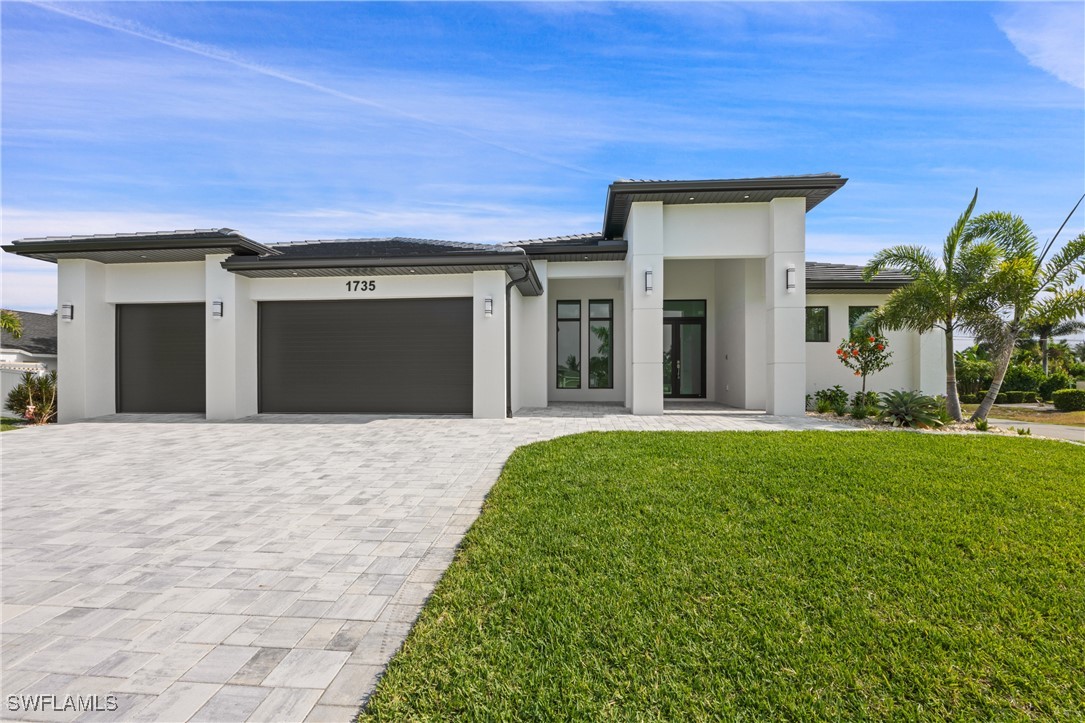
692 290
34 351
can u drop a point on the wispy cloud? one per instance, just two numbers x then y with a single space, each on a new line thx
1050 35
212 52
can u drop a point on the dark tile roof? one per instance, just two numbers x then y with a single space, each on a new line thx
153 246
39 334
387 247
820 275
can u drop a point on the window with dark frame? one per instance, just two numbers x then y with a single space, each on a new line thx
601 344
855 312
817 323
568 345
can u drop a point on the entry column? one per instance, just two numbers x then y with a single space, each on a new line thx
644 284
785 308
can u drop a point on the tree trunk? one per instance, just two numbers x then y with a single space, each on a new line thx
1002 365
953 402
1043 354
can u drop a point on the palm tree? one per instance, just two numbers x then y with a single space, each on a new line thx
1054 317
946 295
1026 286
11 323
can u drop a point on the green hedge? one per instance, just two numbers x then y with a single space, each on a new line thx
1069 400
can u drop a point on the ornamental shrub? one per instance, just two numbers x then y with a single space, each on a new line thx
1054 382
1076 369
1069 400
834 395
1022 377
35 398
910 409
864 353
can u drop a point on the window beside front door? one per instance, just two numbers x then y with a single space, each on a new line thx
568 345
817 323
601 344
855 312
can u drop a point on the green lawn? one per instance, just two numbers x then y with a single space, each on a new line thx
9 423
806 575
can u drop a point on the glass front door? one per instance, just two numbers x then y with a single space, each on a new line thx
684 358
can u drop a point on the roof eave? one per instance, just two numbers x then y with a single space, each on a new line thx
528 282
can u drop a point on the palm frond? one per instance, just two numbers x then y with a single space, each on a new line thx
1010 232
957 233
1065 266
916 307
915 261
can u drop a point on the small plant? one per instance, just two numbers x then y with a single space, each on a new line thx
982 425
1025 432
840 408
864 353
35 398
943 410
830 400
910 409
1069 400
864 404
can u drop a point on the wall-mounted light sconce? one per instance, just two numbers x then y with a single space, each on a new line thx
216 309
67 312
488 306
791 275
648 282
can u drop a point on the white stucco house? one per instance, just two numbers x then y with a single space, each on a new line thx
695 290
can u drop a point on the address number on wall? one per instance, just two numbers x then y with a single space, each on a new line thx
359 285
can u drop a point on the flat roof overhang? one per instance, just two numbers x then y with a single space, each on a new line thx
621 195
163 246
515 263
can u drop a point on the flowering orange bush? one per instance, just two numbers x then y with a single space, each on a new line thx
864 354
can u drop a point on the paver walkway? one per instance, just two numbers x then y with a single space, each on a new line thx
261 570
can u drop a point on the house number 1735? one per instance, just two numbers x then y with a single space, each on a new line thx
361 286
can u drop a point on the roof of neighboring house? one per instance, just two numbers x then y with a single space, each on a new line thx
823 276
621 195
127 248
39 334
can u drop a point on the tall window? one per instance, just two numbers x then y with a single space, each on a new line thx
600 344
854 312
817 323
568 345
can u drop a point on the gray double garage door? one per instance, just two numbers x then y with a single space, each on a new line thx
407 356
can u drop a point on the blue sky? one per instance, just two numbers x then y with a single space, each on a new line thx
507 121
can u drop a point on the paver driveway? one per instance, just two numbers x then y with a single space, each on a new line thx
265 569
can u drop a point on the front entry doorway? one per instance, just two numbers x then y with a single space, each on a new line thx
684 350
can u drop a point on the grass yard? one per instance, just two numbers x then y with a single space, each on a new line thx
9 423
780 575
1038 416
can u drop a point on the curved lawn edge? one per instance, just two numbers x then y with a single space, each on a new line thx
752 574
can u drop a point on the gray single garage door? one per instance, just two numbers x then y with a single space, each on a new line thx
411 356
161 358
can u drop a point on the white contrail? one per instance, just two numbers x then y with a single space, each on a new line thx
214 53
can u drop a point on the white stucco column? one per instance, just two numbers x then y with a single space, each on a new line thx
231 343
930 372
489 345
785 312
86 345
531 341
644 363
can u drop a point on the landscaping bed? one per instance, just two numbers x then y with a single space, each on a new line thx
779 575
